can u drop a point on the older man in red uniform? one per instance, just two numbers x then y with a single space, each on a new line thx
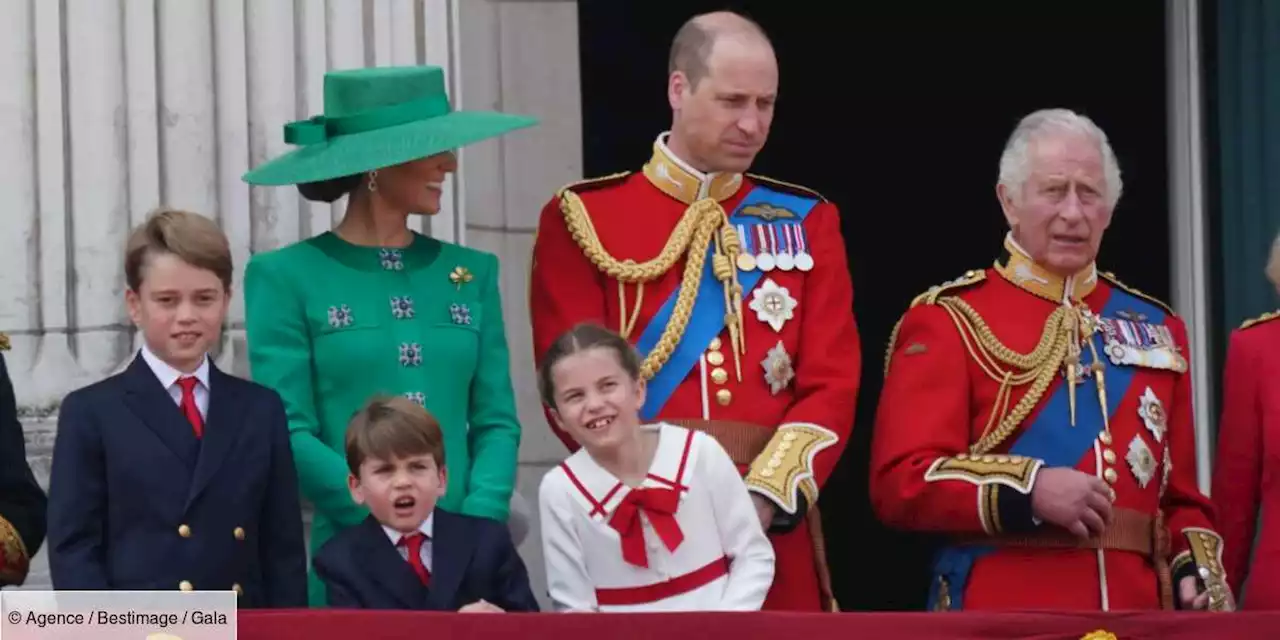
1039 412
734 288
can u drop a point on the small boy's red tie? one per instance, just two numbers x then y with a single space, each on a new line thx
413 542
189 407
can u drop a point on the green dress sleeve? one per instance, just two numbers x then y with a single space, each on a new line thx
280 358
494 430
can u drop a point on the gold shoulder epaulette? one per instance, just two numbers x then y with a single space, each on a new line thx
1266 317
788 187
592 183
1111 277
4 342
969 278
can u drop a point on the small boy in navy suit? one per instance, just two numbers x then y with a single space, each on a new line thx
172 475
408 553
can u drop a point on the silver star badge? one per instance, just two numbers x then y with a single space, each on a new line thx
773 304
1153 414
1141 461
777 368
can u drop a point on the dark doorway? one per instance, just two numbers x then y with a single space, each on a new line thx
899 115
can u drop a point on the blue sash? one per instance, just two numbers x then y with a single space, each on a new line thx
707 319
1050 437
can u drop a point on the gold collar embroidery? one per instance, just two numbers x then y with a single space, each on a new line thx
684 183
1019 269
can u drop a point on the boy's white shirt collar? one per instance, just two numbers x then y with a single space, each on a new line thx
168 375
425 528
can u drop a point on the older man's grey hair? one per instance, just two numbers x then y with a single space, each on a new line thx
1015 162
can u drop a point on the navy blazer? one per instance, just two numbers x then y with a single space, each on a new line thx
137 502
471 559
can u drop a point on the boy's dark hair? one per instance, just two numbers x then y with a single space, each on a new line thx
388 427
193 238
580 338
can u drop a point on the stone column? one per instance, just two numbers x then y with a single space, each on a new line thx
521 56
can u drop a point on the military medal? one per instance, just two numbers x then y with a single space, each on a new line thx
773 304
1141 461
764 259
804 261
777 368
786 261
746 261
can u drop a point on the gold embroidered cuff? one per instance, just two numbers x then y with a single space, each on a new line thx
785 468
1015 472
1206 552
14 562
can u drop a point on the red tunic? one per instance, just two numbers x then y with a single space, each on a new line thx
938 398
809 412
1248 460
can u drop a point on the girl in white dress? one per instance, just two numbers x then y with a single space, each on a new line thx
642 517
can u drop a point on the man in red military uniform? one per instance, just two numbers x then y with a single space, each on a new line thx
1245 496
1038 413
733 287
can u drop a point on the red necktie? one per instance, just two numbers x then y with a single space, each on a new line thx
414 543
660 506
189 407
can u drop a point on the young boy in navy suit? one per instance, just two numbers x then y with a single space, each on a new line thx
409 554
173 475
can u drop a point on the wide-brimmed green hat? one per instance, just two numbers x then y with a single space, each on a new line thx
378 117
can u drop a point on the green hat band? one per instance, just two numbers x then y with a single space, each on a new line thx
321 129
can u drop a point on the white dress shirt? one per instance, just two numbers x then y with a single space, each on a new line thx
168 377
425 552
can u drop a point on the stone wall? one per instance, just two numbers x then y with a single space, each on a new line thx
109 109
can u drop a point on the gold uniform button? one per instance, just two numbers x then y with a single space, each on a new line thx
238 533
185 585
715 358
184 531
724 397
715 344
1104 438
1109 475
238 589
1109 456
719 376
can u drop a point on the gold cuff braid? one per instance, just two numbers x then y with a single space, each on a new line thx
14 561
784 470
1015 472
1206 553
703 223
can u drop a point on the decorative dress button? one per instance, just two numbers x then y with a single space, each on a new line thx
238 533
402 307
340 316
1109 456
185 585
410 354
460 314
1109 475
392 259
238 589
715 358
1104 438
719 376
184 531
724 397
715 344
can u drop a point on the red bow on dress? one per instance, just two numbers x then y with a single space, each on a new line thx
659 505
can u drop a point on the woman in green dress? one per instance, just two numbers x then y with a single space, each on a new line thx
373 307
